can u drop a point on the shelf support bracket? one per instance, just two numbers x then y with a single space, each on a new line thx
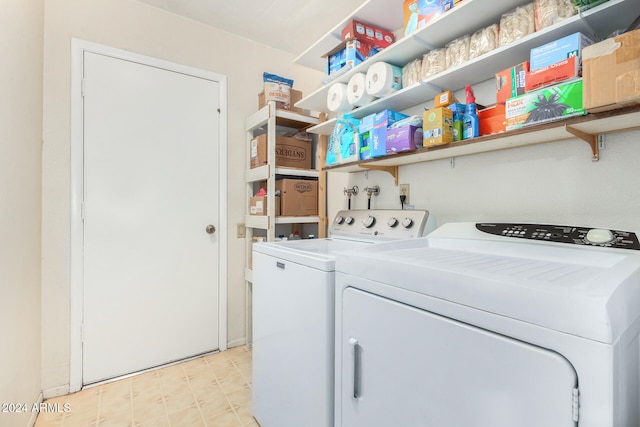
590 139
393 170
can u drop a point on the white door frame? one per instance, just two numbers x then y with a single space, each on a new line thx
78 47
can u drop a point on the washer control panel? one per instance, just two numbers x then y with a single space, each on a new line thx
380 224
564 234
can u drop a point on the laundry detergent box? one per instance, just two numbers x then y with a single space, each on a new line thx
405 138
418 13
349 53
437 126
545 105
381 122
558 50
366 136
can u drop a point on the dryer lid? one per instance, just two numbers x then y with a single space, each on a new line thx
589 292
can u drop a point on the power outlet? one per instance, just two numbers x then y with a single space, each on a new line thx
404 191
241 231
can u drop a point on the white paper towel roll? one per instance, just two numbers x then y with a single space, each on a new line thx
357 91
383 79
337 98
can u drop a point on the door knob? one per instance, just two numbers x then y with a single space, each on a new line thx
210 229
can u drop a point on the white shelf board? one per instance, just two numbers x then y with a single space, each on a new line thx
256 221
296 219
603 19
601 123
284 118
382 13
248 275
262 173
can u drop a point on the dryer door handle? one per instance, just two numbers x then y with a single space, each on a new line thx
355 350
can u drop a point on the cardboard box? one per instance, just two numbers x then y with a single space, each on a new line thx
558 50
492 119
294 96
405 138
511 82
381 122
560 102
298 197
566 69
290 152
349 53
418 13
375 36
258 205
611 73
444 99
437 127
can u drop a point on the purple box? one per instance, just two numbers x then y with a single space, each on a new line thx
381 122
406 138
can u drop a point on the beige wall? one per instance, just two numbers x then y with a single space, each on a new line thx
136 27
20 195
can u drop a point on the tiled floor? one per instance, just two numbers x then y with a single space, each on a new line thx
213 390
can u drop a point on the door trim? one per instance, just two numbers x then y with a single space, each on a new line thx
78 47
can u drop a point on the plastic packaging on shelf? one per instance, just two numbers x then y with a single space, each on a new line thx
433 62
549 12
411 73
516 24
457 51
357 91
484 41
383 79
337 100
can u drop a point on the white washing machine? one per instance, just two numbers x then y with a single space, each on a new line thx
491 325
293 314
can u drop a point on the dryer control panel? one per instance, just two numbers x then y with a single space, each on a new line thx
564 234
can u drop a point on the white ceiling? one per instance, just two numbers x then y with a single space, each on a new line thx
289 25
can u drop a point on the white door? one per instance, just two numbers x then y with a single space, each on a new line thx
150 191
402 366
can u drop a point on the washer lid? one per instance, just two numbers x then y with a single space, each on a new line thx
316 253
590 292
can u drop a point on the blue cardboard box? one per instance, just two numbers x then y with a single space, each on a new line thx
366 136
349 53
558 50
381 122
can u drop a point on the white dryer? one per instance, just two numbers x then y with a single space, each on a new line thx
491 325
293 314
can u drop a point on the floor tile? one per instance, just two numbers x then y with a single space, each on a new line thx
213 390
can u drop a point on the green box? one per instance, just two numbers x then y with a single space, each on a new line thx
545 105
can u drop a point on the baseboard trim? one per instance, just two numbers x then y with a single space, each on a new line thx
34 414
55 391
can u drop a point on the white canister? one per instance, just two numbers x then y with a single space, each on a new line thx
383 79
357 91
337 100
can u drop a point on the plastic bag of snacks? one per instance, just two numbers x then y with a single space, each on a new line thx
458 51
433 62
484 40
411 73
549 12
516 24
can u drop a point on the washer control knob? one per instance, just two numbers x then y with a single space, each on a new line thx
407 222
349 220
392 222
599 235
369 221
339 219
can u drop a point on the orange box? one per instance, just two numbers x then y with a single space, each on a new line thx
511 82
552 74
492 119
444 99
